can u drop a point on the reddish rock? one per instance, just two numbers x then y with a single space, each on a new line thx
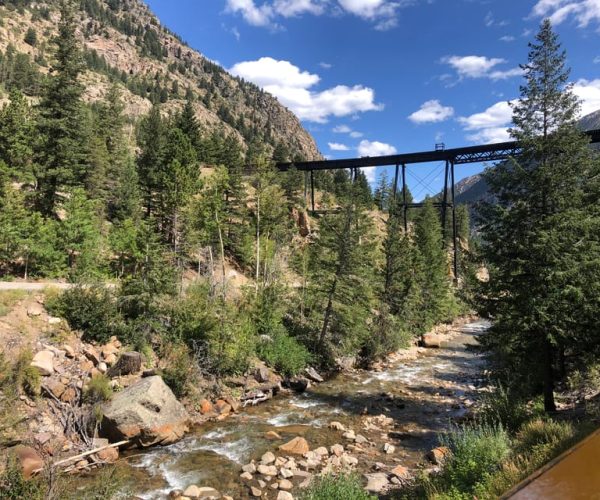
272 435
55 387
69 395
401 472
222 407
92 354
29 460
431 340
297 446
206 407
439 455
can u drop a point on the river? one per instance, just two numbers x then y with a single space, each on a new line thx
422 393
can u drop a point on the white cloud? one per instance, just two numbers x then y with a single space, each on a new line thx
375 148
356 135
490 125
336 146
507 38
589 93
583 12
382 13
325 65
293 88
597 60
431 112
480 67
342 129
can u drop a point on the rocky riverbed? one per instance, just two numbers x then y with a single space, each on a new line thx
380 423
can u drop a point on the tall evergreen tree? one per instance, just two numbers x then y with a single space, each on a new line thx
62 149
16 131
152 144
541 240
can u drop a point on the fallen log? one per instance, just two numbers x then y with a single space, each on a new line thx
83 455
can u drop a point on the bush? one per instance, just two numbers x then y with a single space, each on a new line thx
178 368
504 407
13 486
284 353
477 452
544 437
98 389
26 377
91 309
346 487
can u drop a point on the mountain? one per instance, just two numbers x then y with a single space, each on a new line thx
473 189
125 42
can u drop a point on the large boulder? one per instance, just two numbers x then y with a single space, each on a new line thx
29 460
146 413
297 446
432 340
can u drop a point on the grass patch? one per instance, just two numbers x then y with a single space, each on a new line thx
345 487
8 300
98 389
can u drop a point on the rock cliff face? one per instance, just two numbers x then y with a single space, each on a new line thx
125 42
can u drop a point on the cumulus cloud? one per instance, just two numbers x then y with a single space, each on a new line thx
490 125
374 148
507 38
382 13
293 88
588 92
583 12
345 129
431 112
336 146
480 67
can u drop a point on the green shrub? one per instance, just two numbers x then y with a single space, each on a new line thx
284 353
501 405
13 485
177 368
543 436
98 389
477 452
26 377
328 487
8 299
91 309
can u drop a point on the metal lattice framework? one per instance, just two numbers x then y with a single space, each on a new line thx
451 157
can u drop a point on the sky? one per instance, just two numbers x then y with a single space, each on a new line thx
376 77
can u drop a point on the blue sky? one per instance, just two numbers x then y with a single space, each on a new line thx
371 77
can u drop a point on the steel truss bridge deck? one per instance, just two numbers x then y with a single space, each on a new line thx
458 156
451 157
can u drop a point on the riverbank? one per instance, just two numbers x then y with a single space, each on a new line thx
418 392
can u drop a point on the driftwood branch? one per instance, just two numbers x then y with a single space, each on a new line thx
85 454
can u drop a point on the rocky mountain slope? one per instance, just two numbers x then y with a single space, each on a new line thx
125 42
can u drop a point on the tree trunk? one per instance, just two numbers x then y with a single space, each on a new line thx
549 404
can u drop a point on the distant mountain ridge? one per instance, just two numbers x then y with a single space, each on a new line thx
124 41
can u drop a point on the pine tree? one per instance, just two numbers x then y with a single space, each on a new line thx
62 149
16 132
435 280
541 240
382 192
152 144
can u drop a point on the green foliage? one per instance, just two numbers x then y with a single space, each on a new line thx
13 486
503 405
544 437
30 37
90 309
477 453
541 239
98 389
284 353
24 376
344 487
178 368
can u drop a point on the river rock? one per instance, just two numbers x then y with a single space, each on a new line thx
92 354
251 468
338 426
312 374
246 476
298 384
147 413
400 472
286 473
29 460
206 407
128 363
349 461
297 446
284 495
360 439
322 451
69 351
389 448
350 435
376 482
439 455
431 340
43 361
272 435
267 470
337 450
35 310
261 374
255 492
285 484
268 458
55 387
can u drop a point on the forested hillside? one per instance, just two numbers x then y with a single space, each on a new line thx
124 43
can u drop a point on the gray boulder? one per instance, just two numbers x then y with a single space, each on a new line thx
147 413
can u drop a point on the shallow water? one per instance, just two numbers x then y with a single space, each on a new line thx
422 395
